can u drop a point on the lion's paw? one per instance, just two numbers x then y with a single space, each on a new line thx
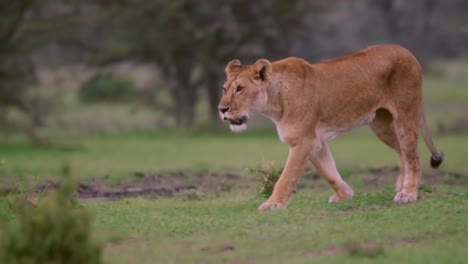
337 199
347 194
267 206
401 197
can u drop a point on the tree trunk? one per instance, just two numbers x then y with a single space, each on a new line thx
213 90
405 27
3 116
185 98
425 31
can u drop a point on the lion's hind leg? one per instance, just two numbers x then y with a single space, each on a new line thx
407 132
384 129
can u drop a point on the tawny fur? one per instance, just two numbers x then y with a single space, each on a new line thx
313 103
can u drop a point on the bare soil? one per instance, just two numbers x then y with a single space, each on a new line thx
372 249
173 183
163 184
386 176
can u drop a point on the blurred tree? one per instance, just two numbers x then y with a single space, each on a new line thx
420 25
248 30
26 26
15 70
191 41
409 23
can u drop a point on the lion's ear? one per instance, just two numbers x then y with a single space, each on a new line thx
262 70
233 66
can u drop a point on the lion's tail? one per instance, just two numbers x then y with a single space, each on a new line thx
437 156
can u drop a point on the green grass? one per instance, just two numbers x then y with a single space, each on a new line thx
125 154
227 228
436 90
310 231
122 155
169 231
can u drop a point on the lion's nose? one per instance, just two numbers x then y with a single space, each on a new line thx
223 109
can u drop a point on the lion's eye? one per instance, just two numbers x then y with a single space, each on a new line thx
239 89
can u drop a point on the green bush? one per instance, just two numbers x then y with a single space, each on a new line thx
53 230
107 87
268 176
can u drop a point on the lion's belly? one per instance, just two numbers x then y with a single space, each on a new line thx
329 131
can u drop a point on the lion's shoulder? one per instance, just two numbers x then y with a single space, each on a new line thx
290 62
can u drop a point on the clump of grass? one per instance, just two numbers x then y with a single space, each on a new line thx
268 176
424 188
53 229
191 195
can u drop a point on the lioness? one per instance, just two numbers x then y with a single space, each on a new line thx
311 104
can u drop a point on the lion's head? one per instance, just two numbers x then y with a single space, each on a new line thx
244 92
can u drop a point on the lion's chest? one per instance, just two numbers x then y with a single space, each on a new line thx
284 131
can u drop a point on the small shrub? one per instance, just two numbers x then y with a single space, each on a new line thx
268 176
106 87
54 229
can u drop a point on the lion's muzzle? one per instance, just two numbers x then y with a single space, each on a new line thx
238 122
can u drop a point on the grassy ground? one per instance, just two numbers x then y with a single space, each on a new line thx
446 104
121 155
213 231
225 227
370 228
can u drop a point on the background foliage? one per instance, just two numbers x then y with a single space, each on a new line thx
186 44
164 142
54 229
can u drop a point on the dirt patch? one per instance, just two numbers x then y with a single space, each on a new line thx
225 248
386 176
86 191
192 185
372 249
157 184
165 184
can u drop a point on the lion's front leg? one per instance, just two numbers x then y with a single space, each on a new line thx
325 165
286 183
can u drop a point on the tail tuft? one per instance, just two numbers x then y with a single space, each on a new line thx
436 160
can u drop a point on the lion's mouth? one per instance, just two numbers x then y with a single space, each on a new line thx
238 122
